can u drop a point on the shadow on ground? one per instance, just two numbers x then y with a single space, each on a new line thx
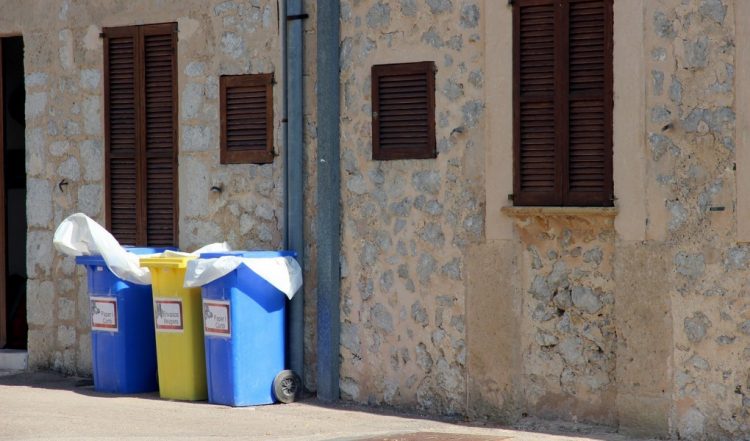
84 386
57 381
527 424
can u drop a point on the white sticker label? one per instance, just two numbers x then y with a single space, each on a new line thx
168 314
216 318
104 314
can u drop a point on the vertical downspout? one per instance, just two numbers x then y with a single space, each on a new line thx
290 13
328 223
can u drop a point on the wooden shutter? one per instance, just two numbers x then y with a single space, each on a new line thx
246 119
403 111
589 103
563 102
121 107
160 132
141 138
538 176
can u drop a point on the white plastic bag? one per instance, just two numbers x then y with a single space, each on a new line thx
79 235
284 273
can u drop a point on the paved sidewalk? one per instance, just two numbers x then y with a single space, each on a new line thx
48 406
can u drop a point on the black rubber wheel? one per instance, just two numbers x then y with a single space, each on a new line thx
287 386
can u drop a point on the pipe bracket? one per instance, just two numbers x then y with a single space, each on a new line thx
297 17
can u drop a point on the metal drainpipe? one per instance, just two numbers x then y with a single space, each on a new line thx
328 220
290 14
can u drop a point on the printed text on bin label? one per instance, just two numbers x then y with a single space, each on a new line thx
168 314
216 318
104 314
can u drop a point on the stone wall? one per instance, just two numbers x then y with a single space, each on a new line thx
416 257
407 225
446 305
568 326
691 134
65 140
226 38
568 314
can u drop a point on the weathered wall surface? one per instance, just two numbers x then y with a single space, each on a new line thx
568 330
446 306
65 140
408 225
691 133
225 38
573 314
434 314
536 310
643 322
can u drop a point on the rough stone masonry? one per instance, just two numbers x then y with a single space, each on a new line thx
568 315
65 140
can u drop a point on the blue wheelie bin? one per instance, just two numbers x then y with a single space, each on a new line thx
123 345
244 328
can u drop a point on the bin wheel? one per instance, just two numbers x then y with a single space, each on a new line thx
287 386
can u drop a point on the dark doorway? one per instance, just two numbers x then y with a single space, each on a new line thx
13 325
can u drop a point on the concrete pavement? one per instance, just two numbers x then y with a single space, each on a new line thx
48 406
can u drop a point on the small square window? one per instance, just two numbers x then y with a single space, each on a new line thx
247 119
403 111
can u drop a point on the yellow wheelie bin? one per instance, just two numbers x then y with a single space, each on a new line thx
178 319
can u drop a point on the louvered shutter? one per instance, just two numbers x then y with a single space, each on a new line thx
538 176
563 102
141 139
403 111
121 110
160 81
247 119
589 103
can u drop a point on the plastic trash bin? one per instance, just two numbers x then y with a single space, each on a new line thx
122 331
244 328
179 333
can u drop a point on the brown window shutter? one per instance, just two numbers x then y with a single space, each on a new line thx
403 111
246 119
160 133
589 103
141 139
537 171
563 102
121 128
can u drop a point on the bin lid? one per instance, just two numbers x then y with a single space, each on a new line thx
252 254
96 259
166 262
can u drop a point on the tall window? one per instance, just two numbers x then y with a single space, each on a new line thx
562 102
140 84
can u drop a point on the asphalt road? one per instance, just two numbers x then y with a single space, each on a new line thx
48 406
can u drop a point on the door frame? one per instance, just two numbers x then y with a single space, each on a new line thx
3 275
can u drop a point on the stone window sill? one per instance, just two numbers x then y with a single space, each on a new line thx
525 212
